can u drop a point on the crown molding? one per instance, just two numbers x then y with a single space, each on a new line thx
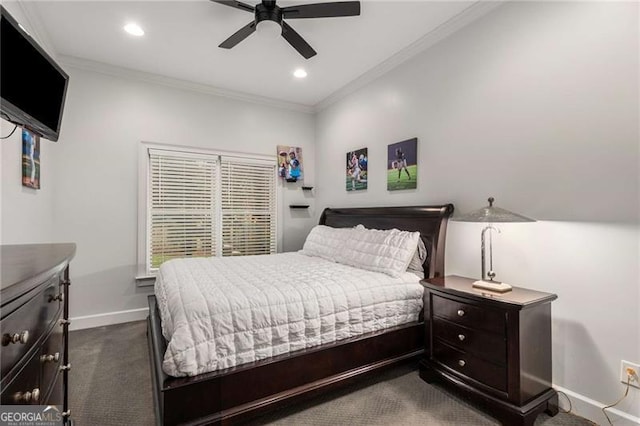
35 26
468 15
34 23
116 71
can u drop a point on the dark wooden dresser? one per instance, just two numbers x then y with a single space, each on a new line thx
493 348
34 322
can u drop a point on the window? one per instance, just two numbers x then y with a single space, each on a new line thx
248 208
206 204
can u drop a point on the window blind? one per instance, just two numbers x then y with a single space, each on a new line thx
248 207
182 205
207 205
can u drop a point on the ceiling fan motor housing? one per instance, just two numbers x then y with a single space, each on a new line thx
268 11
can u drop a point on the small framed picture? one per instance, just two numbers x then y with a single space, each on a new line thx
356 178
30 159
402 165
290 163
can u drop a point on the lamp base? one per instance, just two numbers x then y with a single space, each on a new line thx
492 286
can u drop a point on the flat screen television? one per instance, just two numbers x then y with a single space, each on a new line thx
32 86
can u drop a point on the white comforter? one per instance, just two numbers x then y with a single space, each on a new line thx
222 312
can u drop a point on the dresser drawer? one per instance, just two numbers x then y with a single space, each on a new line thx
22 328
24 388
471 366
476 317
489 346
51 357
56 393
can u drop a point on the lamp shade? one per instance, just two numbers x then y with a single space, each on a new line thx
492 214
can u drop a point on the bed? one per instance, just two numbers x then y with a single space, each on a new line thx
238 392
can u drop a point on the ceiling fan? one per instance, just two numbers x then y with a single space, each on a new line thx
267 10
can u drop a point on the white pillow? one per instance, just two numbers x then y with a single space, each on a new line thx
325 242
388 251
419 256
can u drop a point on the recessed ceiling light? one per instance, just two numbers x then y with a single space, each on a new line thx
134 29
300 73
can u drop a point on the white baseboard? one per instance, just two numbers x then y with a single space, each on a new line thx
109 318
592 410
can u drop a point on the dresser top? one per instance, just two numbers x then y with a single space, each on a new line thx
20 263
462 286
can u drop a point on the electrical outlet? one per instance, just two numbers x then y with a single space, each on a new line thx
627 367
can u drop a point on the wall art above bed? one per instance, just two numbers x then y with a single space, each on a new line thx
402 165
356 178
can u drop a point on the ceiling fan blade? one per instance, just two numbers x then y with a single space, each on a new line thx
239 35
236 4
297 41
322 10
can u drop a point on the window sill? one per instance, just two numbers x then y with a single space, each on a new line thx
143 278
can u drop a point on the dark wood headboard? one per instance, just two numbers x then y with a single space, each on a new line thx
430 221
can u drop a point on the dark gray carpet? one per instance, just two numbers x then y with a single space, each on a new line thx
110 385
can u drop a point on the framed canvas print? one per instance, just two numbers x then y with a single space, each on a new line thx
402 165
290 163
30 159
356 178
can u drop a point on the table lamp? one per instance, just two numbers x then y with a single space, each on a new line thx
490 215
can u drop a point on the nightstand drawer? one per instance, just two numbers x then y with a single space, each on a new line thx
475 317
471 366
489 346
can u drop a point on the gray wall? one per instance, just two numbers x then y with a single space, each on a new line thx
535 104
26 215
90 177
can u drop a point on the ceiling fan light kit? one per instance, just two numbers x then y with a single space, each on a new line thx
267 10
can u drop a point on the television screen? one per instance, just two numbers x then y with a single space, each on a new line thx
32 85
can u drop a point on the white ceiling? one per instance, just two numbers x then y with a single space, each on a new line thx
182 37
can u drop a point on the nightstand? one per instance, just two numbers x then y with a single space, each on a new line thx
493 348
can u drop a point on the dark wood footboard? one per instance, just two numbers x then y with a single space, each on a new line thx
226 396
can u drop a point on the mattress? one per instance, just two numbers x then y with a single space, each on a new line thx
223 312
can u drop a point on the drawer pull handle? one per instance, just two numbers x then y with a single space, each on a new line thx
461 363
22 338
461 313
19 397
50 358
27 396
461 337
64 322
65 367
59 297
